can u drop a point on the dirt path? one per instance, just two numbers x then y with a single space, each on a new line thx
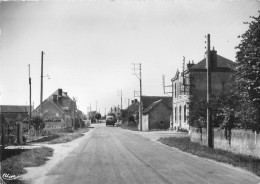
37 174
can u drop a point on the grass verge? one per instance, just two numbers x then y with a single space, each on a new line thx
56 137
67 137
30 158
249 163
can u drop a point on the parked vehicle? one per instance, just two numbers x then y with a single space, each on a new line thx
110 120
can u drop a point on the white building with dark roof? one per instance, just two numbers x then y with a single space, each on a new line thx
192 84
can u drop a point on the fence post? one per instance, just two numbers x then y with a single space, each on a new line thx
2 143
7 137
19 133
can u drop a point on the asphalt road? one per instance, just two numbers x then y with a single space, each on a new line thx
114 155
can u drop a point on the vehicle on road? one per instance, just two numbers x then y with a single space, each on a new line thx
110 120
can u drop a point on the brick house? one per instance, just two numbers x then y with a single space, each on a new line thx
156 116
192 84
58 107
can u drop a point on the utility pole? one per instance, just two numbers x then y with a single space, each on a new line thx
119 93
121 100
141 103
209 117
128 113
41 113
139 76
183 76
74 112
30 97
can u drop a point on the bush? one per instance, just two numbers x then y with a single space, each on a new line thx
38 123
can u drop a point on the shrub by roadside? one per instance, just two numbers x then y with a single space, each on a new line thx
31 158
249 163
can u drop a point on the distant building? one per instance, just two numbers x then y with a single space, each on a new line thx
14 112
10 116
192 84
150 108
156 116
133 107
148 100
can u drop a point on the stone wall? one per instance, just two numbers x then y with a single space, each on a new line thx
242 141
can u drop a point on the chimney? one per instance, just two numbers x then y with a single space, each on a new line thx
136 100
189 65
55 98
60 92
132 101
213 55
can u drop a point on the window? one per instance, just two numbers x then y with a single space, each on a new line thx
175 114
185 115
180 113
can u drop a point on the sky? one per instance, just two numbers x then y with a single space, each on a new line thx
90 46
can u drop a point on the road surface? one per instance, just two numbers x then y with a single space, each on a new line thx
113 155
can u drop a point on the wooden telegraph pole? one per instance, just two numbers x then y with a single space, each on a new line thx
209 117
121 100
141 103
41 83
30 97
139 76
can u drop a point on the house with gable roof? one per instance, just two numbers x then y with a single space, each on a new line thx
192 84
58 107
151 106
156 116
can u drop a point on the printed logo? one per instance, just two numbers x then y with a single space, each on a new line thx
9 177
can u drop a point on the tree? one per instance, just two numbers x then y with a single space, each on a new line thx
38 123
224 108
91 116
248 65
98 116
247 114
112 114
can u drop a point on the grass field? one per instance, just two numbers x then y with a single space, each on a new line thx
31 158
14 165
55 136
